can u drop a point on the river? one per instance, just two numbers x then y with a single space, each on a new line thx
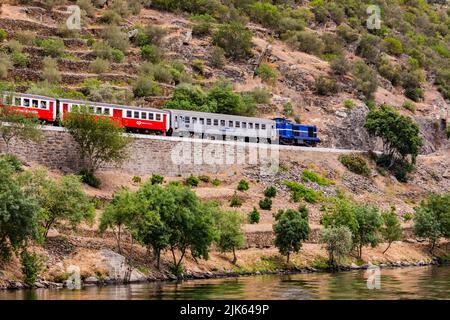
403 283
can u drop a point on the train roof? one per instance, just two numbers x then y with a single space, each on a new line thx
28 95
111 105
218 115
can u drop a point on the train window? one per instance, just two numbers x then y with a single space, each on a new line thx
194 120
208 122
43 104
128 113
202 121
26 102
263 126
230 124
244 125
187 119
7 100
238 124
98 110
136 115
35 103
256 126
250 125
91 109
144 115
106 111
74 107
222 123
158 117
17 101
150 116
216 122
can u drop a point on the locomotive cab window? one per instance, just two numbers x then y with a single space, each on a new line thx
26 102
128 113
43 104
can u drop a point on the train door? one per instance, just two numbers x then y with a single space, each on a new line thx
117 114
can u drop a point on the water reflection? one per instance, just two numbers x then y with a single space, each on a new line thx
408 283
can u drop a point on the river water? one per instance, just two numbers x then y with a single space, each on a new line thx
404 283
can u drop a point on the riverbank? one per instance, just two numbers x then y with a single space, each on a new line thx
97 266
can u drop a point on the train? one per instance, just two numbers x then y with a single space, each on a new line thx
170 122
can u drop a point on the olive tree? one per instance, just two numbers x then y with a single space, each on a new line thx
100 139
391 230
338 243
230 233
291 229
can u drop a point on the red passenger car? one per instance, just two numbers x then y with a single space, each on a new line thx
44 108
139 120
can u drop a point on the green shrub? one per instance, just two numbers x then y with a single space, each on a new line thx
111 17
102 50
364 79
235 39
26 37
349 104
308 175
202 24
389 71
270 192
192 181
299 191
136 180
152 53
99 65
146 86
412 80
304 212
348 34
31 266
235 201
88 177
117 55
218 59
355 163
216 182
305 41
254 216
267 73
261 95
51 47
156 179
325 86
393 46
3 34
20 60
204 178
407 217
265 204
50 71
340 65
117 39
13 161
5 65
265 13
150 35
288 109
369 47
162 73
14 46
198 66
243 185
408 105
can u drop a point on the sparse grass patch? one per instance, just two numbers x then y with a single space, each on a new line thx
299 192
312 176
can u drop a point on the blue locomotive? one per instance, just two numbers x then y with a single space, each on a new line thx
291 133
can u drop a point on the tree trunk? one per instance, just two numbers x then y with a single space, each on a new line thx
234 256
158 259
287 258
119 248
387 247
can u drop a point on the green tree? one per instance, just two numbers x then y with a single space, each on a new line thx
338 243
364 79
60 200
18 125
290 231
18 213
254 216
432 218
391 230
230 233
100 140
399 134
369 223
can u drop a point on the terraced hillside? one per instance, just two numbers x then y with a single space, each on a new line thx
313 61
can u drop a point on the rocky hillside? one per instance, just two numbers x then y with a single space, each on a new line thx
313 61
